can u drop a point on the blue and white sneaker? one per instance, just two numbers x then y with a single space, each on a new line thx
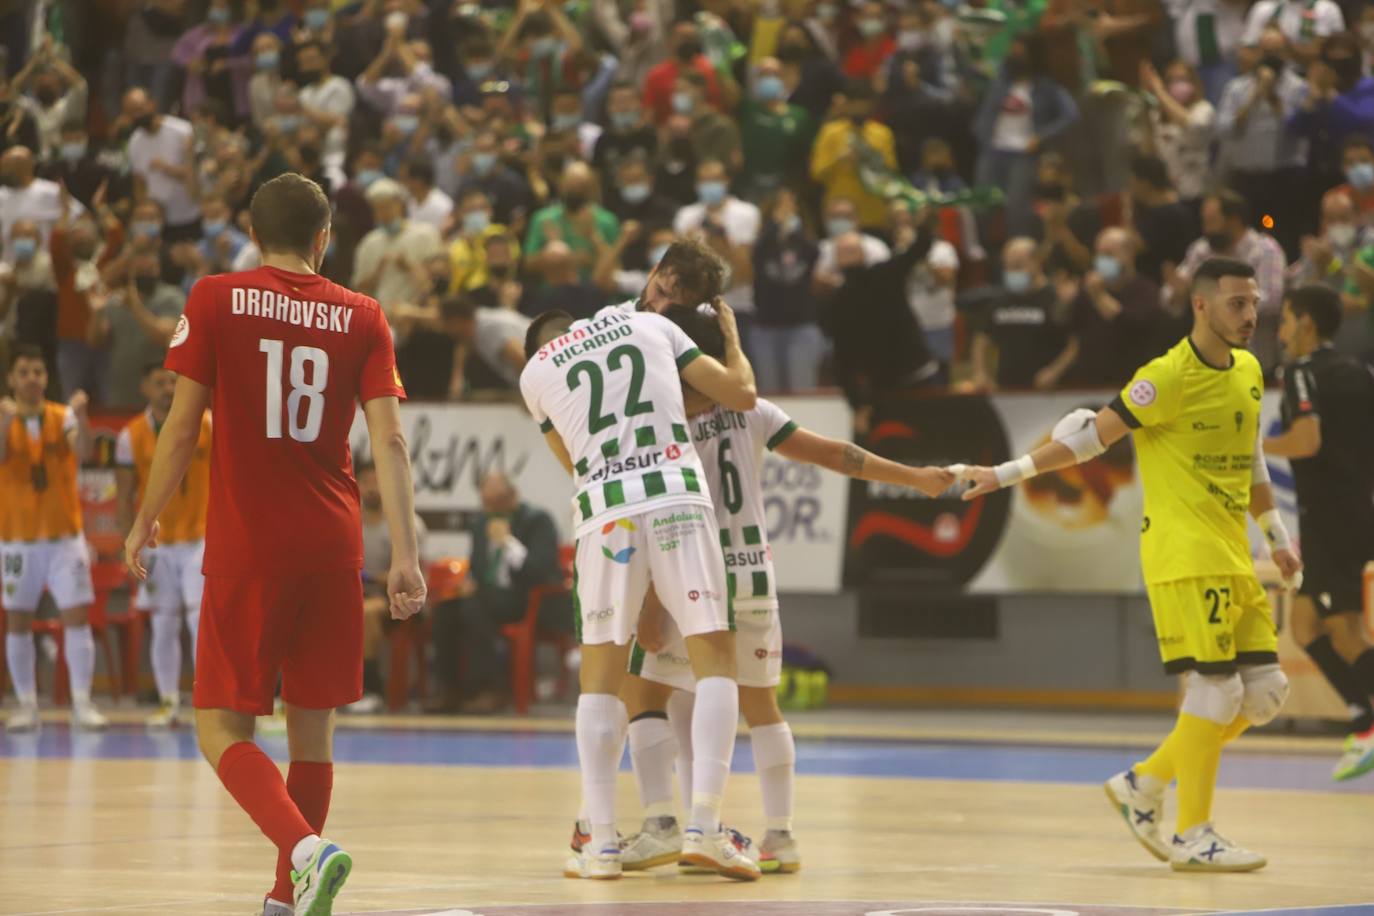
1357 757
1141 809
321 880
272 907
1201 848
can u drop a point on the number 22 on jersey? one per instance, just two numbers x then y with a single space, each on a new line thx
312 392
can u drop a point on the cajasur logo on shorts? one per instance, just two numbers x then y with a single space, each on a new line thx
622 555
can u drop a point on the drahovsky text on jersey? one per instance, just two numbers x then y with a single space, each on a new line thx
580 341
266 303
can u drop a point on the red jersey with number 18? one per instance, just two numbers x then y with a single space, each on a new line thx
288 357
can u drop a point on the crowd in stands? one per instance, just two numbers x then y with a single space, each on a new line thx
488 160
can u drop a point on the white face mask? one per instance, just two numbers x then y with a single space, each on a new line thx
1342 235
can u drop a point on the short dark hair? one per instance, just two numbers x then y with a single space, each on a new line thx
1355 141
1233 206
458 308
1320 303
699 271
544 328
701 328
1151 170
1213 269
288 212
150 368
420 168
27 351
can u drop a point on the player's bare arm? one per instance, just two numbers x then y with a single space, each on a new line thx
1092 440
560 451
176 445
405 584
848 459
80 438
730 384
126 497
1302 440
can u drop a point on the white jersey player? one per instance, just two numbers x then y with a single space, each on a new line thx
731 444
608 396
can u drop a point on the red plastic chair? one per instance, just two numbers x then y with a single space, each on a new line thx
410 638
524 636
105 578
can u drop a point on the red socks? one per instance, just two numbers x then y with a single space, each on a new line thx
309 785
256 784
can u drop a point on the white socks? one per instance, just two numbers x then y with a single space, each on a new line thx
19 655
775 760
80 661
714 721
193 627
601 727
652 749
166 655
680 705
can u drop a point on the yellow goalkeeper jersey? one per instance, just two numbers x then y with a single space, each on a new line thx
1195 428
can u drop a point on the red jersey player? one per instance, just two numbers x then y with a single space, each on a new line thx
284 355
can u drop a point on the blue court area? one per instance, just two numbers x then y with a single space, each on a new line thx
815 757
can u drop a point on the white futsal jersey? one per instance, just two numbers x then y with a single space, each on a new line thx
731 446
612 390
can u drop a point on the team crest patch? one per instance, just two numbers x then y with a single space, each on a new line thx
1143 393
1224 643
181 333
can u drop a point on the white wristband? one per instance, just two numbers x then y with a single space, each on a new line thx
1271 523
1013 472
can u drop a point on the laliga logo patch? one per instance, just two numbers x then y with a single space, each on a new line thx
181 333
623 555
1143 393
673 452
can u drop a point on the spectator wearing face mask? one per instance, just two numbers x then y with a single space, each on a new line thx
775 135
223 242
204 53
468 251
713 135
79 247
327 101
1022 337
1164 223
1181 126
540 43
637 200
787 345
1266 162
59 93
28 313
1357 165
1208 34
402 68
427 203
1328 258
874 46
1116 318
661 84
24 196
1303 22
162 159
835 155
576 219
930 293
389 263
511 199
1339 102
730 227
266 78
135 323
627 133
841 218
937 174
636 32
1021 111
620 277
84 168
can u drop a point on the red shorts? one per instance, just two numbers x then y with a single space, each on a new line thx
307 630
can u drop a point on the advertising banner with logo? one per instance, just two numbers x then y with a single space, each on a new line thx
1076 530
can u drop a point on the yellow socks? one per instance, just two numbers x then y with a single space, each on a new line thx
1235 729
1192 753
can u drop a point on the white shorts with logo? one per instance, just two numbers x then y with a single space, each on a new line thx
758 654
677 547
174 578
62 568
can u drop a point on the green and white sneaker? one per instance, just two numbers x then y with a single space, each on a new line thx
1141 809
1357 757
272 907
779 853
321 880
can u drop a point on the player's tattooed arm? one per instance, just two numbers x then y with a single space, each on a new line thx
852 461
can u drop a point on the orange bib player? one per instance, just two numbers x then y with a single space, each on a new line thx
42 547
285 356
174 577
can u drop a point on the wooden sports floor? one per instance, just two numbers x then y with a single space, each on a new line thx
914 814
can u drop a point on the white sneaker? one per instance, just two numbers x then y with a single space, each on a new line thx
659 843
320 881
369 704
23 719
1203 849
718 853
1141 810
1357 757
779 854
86 716
602 866
167 716
272 907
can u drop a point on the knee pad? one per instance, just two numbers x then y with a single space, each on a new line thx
1266 689
1215 697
